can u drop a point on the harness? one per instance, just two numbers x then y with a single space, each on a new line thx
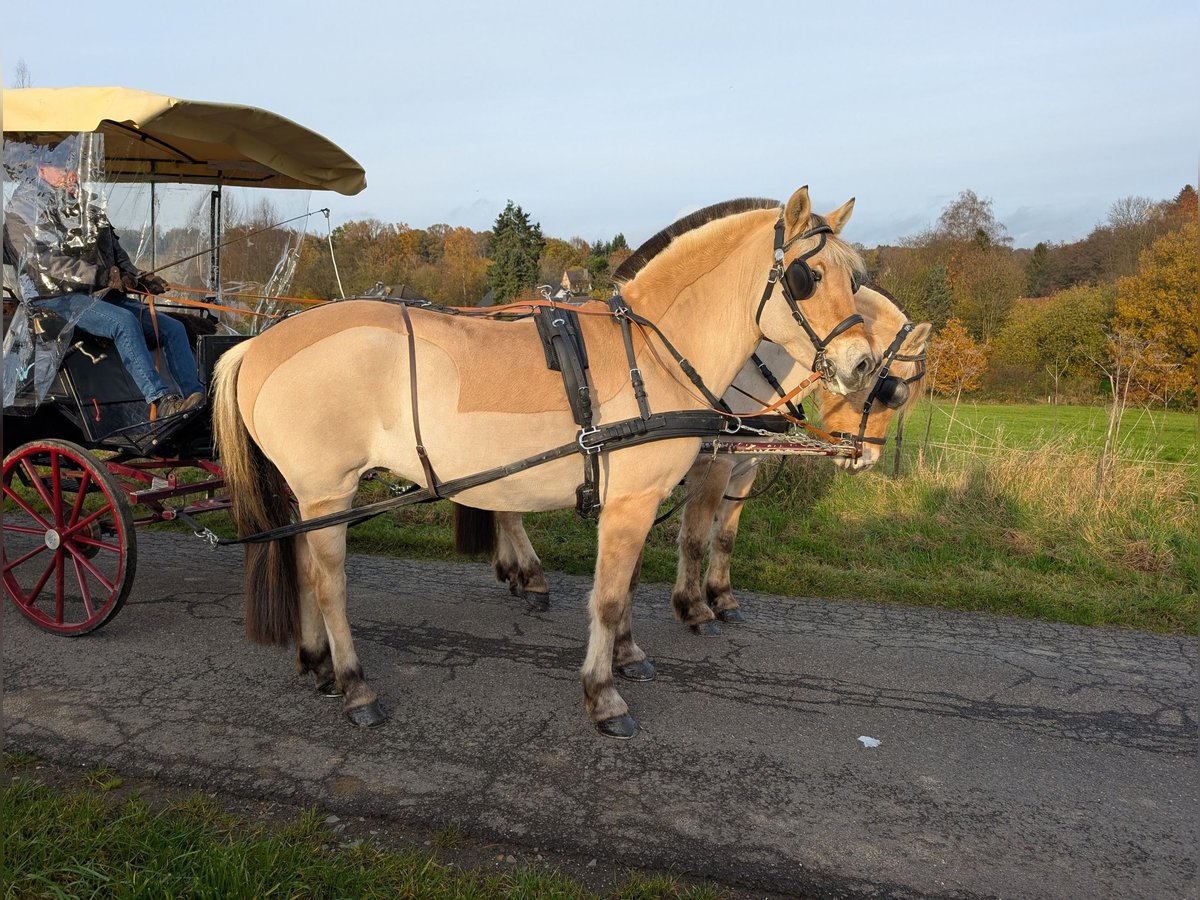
886 388
562 341
799 283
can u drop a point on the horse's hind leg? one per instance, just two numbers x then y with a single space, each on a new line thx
705 485
718 586
623 526
312 652
326 571
518 564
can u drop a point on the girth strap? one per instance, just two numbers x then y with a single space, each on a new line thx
431 481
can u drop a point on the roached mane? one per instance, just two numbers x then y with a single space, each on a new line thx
700 217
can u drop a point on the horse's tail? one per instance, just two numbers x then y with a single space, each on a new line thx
259 497
474 530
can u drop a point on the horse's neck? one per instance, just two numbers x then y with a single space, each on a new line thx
702 296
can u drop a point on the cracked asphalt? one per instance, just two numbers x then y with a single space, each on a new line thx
1016 759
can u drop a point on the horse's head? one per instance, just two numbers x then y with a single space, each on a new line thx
812 304
864 415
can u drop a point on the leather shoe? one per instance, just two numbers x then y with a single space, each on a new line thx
174 405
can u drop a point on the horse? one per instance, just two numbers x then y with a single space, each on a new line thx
316 401
718 485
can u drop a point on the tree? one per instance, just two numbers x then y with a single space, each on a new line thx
956 361
558 256
970 219
1037 271
986 280
1158 305
22 78
1058 336
515 248
464 268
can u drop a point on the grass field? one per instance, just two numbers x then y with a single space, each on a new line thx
1000 512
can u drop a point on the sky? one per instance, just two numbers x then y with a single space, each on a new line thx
621 117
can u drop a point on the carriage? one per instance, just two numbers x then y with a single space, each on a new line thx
83 468
305 410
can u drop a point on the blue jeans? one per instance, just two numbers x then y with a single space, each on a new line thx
128 324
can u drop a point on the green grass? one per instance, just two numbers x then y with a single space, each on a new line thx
1000 513
78 843
1158 435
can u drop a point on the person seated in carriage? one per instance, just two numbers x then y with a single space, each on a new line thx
72 263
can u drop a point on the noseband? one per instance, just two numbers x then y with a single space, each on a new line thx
886 388
799 283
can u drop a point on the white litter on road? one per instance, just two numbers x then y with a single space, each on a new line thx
869 741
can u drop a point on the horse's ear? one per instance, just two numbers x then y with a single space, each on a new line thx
918 339
840 216
796 213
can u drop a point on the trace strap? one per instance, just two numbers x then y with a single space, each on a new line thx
625 433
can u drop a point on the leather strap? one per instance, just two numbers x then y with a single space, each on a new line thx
431 481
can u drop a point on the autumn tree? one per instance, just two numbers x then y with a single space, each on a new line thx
558 256
515 248
956 361
464 268
1158 305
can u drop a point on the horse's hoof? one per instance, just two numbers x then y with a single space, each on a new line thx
706 629
367 716
620 727
328 689
537 601
643 670
732 617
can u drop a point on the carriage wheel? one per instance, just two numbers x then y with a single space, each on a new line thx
69 549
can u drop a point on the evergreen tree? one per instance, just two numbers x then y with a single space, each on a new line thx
515 249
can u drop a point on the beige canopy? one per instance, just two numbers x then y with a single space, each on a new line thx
151 137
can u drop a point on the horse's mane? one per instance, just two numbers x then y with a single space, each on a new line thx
655 245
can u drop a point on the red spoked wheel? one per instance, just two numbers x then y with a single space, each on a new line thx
69 549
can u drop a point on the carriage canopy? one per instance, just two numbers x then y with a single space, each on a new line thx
153 137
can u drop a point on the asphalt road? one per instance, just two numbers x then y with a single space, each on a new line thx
1015 759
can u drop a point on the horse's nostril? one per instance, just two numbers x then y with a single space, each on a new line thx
864 366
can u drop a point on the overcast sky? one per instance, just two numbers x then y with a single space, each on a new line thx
621 116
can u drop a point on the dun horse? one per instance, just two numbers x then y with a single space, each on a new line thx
718 485
318 400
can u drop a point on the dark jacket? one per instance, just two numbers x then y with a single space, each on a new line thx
66 245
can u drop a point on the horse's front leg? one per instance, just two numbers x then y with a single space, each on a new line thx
705 486
629 660
323 570
718 586
624 524
518 564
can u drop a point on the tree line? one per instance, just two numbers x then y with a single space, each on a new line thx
1113 312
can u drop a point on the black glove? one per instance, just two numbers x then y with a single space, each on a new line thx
129 283
153 284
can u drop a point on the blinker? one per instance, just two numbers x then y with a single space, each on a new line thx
893 392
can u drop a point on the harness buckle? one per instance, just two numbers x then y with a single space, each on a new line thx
581 440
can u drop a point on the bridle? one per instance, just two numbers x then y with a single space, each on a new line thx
799 283
890 390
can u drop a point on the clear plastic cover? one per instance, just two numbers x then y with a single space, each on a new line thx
54 222
232 247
